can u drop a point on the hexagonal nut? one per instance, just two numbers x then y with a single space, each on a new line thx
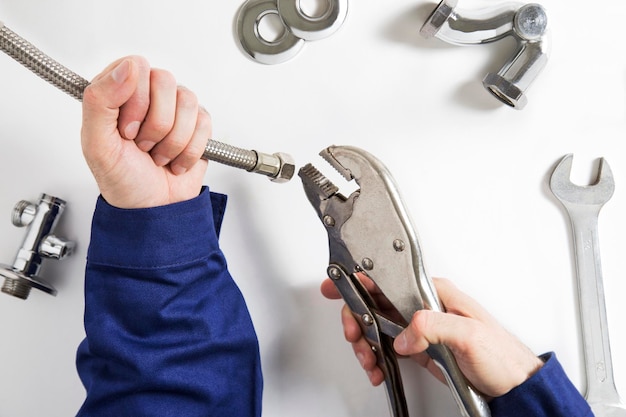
287 168
505 91
438 18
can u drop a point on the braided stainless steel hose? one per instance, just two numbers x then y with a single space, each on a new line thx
279 167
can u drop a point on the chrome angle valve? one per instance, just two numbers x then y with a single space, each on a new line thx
39 243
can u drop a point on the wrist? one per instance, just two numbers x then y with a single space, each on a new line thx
138 198
530 365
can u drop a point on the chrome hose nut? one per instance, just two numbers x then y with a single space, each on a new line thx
287 168
279 167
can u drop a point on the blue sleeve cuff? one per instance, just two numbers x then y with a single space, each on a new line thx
548 393
142 238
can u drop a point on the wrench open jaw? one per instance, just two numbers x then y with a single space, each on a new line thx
583 204
568 192
370 232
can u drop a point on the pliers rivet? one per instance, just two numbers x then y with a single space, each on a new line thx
367 319
368 264
334 273
329 221
398 245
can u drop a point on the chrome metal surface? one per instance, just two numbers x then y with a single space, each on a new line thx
583 204
39 243
509 85
266 51
371 231
312 28
280 167
467 27
530 22
526 23
47 68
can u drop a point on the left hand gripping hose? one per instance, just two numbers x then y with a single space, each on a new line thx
279 167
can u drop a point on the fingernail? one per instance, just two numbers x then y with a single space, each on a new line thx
160 160
121 72
132 129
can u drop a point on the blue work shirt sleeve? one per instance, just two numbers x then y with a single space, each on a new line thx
167 330
548 393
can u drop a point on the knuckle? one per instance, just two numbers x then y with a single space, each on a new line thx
89 95
159 127
186 98
204 111
162 78
194 150
351 332
421 321
204 123
139 60
190 155
174 148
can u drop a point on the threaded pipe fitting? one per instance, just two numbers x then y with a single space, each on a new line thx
16 288
23 213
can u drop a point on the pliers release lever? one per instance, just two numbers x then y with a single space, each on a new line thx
370 232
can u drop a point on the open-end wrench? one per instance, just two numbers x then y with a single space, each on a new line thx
583 204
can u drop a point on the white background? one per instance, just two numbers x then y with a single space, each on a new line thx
473 174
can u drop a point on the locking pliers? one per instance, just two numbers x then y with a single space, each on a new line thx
370 232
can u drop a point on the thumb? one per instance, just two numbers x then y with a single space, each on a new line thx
432 327
102 100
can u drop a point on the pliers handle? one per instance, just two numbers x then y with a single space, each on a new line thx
370 231
378 331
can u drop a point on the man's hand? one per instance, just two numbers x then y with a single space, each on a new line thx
143 136
492 359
